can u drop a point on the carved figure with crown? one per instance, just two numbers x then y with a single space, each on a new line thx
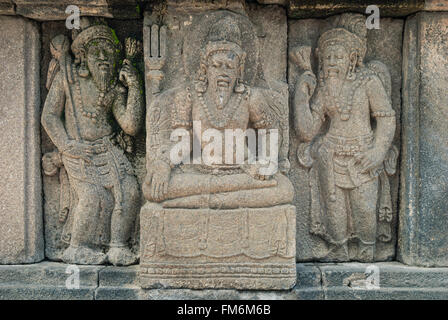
94 105
349 159
208 219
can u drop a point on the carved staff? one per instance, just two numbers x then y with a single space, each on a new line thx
155 54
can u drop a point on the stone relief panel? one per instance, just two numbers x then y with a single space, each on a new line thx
345 105
92 116
211 222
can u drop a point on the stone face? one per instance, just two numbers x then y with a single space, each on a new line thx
423 211
93 109
219 222
21 230
325 170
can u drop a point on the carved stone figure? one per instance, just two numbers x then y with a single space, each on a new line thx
93 106
215 222
349 158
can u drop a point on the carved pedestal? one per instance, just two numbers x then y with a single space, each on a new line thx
205 248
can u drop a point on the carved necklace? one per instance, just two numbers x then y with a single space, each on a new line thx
344 107
219 120
93 115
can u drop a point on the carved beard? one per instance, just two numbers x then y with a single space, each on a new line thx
220 93
102 79
334 85
223 95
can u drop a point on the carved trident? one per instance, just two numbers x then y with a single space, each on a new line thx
155 54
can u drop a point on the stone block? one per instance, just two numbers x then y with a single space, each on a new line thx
386 280
423 219
204 248
324 8
46 281
7 7
21 231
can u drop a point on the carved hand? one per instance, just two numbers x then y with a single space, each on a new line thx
155 187
306 84
256 172
369 160
128 75
78 150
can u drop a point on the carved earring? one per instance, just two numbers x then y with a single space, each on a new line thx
83 70
351 72
239 86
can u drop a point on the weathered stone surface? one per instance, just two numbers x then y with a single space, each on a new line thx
7 7
55 10
46 10
383 45
21 233
379 281
47 281
424 178
324 8
436 5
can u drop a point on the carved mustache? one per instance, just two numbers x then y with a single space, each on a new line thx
223 81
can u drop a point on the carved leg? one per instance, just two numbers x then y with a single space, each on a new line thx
122 224
282 193
83 248
364 203
337 224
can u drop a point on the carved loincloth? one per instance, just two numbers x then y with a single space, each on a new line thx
334 162
107 169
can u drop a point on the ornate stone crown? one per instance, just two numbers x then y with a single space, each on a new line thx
91 33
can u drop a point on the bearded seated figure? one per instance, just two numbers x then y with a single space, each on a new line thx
219 103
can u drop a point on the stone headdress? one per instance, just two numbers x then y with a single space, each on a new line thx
351 32
225 35
90 33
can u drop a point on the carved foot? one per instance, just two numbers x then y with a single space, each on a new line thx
365 253
83 255
121 256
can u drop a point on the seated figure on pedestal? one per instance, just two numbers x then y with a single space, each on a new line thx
227 214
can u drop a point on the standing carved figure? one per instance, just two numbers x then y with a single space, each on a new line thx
90 110
350 193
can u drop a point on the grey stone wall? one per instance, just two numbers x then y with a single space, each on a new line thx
21 224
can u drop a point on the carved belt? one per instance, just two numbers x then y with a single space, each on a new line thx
342 146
